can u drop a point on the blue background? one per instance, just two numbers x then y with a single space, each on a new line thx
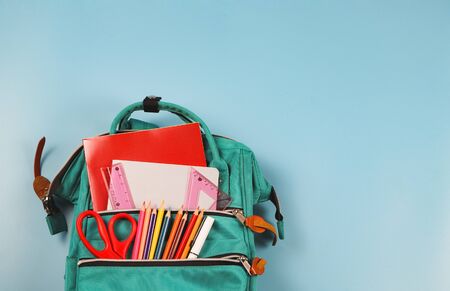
345 104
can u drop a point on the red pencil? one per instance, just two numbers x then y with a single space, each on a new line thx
186 235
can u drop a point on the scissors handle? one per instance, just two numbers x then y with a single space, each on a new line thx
121 247
107 252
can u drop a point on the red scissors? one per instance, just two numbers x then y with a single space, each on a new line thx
114 248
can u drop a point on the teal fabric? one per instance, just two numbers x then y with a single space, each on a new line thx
131 123
280 227
173 278
240 177
56 223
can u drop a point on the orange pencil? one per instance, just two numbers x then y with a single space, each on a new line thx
177 238
192 235
148 210
173 231
186 235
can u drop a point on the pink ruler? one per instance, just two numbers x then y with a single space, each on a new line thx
200 185
119 191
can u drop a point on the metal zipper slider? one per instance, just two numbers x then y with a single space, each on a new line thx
239 215
246 265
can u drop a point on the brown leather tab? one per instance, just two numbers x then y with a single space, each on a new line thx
257 224
258 266
41 186
38 156
40 183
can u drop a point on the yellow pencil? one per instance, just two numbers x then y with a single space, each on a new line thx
192 235
159 220
144 231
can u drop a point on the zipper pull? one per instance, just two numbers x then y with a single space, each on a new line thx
256 223
246 265
256 268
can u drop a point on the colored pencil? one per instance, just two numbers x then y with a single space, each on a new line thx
162 236
151 227
192 235
173 231
144 232
177 238
186 235
137 239
159 219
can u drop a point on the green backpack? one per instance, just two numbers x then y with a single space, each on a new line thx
227 260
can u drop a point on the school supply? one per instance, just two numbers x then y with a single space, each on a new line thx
173 233
156 231
177 238
200 238
137 238
173 145
186 235
223 200
228 252
168 182
145 227
163 235
148 240
118 190
201 192
192 235
113 248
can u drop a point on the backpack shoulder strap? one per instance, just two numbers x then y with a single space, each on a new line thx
65 185
55 218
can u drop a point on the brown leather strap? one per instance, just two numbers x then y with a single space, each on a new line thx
257 224
40 183
38 156
258 266
55 218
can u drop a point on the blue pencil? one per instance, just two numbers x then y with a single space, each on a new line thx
162 236
148 241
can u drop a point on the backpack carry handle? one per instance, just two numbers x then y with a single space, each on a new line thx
150 104
187 116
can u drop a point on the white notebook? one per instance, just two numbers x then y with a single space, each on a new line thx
156 182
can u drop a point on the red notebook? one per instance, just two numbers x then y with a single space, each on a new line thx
180 144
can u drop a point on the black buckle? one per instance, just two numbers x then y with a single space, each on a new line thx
151 104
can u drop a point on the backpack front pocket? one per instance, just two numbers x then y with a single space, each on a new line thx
224 273
227 235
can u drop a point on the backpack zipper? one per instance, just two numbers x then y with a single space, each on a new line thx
229 259
237 213
230 212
